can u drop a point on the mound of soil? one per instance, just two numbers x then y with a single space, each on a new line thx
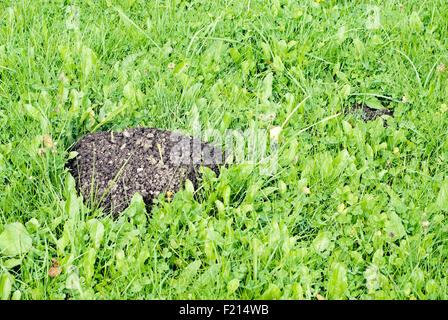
366 113
111 166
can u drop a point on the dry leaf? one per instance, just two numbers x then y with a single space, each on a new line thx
319 297
47 141
54 271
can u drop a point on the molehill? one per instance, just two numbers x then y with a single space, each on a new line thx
111 167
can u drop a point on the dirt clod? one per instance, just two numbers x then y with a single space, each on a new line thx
366 113
144 160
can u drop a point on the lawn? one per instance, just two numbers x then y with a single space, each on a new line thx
353 209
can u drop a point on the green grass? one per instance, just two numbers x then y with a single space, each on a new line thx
374 223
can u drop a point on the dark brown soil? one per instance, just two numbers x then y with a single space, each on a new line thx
366 113
145 160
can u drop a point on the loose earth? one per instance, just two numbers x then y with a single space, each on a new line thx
112 166
366 113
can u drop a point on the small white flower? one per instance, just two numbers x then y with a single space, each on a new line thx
306 190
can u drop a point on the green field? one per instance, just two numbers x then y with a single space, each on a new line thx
354 209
